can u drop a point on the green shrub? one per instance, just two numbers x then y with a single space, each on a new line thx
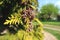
23 13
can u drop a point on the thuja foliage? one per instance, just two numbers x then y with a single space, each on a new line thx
22 12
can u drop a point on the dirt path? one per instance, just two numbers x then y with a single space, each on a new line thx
52 27
48 36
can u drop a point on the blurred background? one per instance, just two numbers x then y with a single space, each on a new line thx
49 10
49 14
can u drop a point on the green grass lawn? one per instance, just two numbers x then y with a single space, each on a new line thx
52 23
54 32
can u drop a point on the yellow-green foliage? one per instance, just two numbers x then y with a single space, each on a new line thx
35 34
30 36
1 2
31 1
33 7
14 19
24 17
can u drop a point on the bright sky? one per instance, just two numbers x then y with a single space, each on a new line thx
43 2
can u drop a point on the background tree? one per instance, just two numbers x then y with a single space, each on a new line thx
48 10
20 16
